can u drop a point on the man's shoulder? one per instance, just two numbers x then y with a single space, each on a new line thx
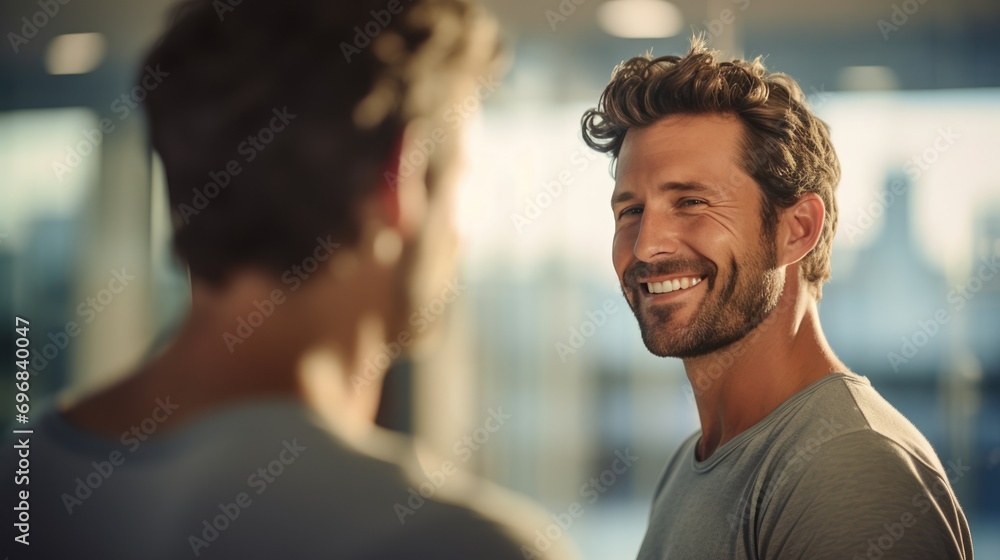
285 468
846 415
846 469
835 499
443 500
446 527
845 439
439 510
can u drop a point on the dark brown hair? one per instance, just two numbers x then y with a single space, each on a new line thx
786 148
352 75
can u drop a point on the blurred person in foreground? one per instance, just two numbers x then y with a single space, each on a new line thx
308 207
725 213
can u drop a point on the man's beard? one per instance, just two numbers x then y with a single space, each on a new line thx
724 315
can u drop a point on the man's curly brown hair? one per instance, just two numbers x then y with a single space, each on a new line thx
786 148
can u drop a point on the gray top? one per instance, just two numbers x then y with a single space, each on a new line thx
834 472
260 479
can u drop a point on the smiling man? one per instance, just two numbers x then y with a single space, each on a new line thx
725 212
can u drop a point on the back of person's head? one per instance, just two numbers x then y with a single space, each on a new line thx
275 119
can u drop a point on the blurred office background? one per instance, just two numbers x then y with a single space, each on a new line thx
540 331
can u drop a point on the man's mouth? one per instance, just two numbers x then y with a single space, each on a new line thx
673 284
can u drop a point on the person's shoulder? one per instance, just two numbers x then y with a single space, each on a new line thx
51 440
844 430
839 405
446 512
850 471
444 530
848 405
874 455
860 488
338 492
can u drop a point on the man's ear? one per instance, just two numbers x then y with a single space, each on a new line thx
401 192
387 192
799 228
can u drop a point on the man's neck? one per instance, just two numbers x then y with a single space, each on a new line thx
200 371
739 385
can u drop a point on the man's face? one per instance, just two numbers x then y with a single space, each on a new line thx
693 258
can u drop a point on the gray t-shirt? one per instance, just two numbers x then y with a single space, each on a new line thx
259 479
834 472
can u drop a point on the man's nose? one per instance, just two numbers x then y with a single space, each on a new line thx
658 236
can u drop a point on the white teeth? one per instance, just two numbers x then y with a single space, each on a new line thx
670 285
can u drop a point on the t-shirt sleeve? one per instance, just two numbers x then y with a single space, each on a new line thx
861 495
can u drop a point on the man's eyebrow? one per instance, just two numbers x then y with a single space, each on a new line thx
622 197
684 186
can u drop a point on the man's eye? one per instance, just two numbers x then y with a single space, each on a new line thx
691 202
630 210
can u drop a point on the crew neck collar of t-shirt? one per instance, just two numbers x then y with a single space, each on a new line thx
783 409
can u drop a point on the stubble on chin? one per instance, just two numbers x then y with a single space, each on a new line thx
726 314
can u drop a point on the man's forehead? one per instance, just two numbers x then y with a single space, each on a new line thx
709 134
684 152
